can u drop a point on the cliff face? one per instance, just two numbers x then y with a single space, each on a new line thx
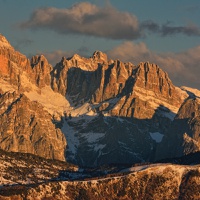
138 90
12 63
183 135
26 127
125 107
41 70
119 110
24 124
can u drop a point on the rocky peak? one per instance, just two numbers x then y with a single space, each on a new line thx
4 42
38 59
151 77
41 70
13 64
79 67
100 56
76 57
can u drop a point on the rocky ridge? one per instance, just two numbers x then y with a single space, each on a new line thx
94 112
104 108
160 181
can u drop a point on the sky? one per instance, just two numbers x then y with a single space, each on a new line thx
164 32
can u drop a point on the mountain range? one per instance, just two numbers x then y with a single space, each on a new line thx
95 111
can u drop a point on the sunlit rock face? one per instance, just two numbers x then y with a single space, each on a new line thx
26 127
107 110
98 80
41 70
129 108
12 63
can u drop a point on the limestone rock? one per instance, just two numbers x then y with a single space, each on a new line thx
26 127
116 109
41 70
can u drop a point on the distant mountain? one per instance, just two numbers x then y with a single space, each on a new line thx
93 111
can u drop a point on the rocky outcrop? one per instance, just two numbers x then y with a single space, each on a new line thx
12 64
15 67
76 65
41 71
139 90
26 127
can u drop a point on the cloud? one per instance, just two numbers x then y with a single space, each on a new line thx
23 43
189 30
55 56
167 29
106 22
88 19
183 68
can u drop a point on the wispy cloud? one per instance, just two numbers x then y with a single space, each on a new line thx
55 56
168 29
183 67
22 43
107 22
189 30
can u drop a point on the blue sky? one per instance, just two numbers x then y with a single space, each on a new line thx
163 32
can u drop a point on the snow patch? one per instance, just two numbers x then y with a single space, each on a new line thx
72 140
84 109
52 101
192 91
156 136
99 147
93 137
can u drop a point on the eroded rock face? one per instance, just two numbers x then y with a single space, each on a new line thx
130 106
26 127
131 103
139 90
41 70
16 67
12 62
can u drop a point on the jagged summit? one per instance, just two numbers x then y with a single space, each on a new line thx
4 42
93 112
106 98
98 55
75 56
